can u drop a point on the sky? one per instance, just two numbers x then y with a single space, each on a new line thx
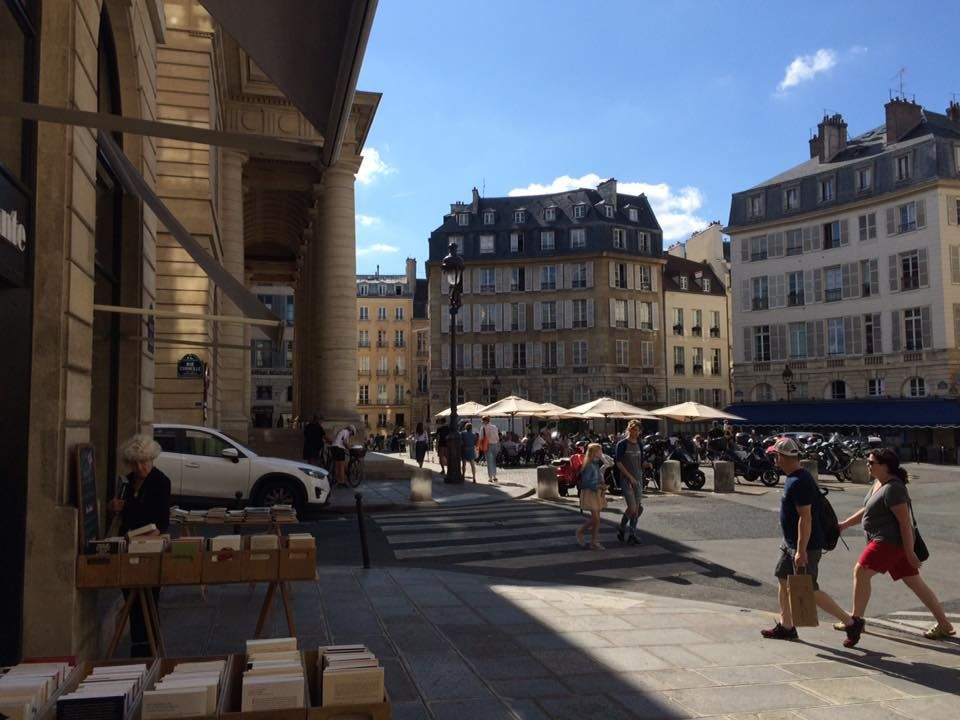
685 101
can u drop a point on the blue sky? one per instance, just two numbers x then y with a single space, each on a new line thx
688 101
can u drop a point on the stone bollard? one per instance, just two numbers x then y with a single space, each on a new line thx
547 488
670 476
421 485
811 467
724 479
858 471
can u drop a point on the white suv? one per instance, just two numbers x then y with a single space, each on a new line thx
208 466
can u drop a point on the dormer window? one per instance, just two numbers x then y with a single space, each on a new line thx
463 219
644 239
791 198
864 179
363 289
903 168
550 214
633 214
684 282
706 284
755 206
579 211
619 239
519 216
488 217
826 189
608 210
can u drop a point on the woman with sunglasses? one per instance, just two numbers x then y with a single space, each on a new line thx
886 518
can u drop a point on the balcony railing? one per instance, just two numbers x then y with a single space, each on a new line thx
795 299
698 369
678 329
913 356
382 344
715 332
832 295
382 371
760 303
679 369
364 372
423 353
399 344
873 359
715 370
363 343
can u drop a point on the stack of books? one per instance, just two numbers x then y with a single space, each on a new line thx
107 693
107 546
267 541
191 690
349 675
178 516
27 687
197 516
274 677
216 516
146 540
235 516
283 514
257 515
301 541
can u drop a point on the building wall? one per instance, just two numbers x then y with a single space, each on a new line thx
420 358
390 354
688 380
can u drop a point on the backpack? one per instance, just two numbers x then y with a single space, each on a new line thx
827 518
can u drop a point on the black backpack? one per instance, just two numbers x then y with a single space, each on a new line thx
829 524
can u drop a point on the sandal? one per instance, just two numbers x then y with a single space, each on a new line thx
854 631
939 633
596 546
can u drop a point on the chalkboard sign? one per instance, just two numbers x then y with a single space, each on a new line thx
190 366
87 495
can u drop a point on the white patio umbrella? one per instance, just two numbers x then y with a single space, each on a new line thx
609 408
551 411
693 412
511 406
467 409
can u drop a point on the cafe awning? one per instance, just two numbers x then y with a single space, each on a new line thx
886 413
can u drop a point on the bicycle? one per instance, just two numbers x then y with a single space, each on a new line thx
355 465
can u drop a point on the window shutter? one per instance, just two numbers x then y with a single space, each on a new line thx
445 357
747 344
590 274
921 212
891 221
468 356
815 238
844 232
566 272
877 334
559 354
923 272
855 290
561 315
631 315
955 264
567 314
845 281
465 314
523 317
444 320
807 239
537 316
956 325
498 355
590 320
745 249
477 356
808 287
848 335
613 272
745 295
475 279
926 329
629 274
560 276
818 285
638 279
613 312
952 204
508 355
476 318
533 354
778 295
532 281
857 336
655 315
894 273
775 241
654 272
895 331
498 317
775 349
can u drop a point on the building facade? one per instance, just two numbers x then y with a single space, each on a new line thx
420 376
271 365
561 299
697 334
846 268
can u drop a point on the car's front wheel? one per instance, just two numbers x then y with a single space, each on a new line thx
279 491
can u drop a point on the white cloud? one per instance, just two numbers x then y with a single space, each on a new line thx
806 67
372 167
377 248
859 50
676 210
368 220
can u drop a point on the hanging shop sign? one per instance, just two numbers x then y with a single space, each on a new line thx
14 209
190 366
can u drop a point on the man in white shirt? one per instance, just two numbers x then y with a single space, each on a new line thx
490 433
339 448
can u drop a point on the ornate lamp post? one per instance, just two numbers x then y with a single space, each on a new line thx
787 377
452 267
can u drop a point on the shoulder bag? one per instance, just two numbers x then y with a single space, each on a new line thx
920 548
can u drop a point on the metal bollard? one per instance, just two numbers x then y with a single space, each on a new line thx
547 483
724 480
365 553
670 476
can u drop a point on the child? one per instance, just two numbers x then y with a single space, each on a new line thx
592 495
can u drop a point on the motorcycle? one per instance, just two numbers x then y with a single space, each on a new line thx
751 463
690 473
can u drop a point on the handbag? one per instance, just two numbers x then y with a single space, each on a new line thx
483 444
920 548
803 604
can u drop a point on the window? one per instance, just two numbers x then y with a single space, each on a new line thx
423 346
696 327
608 210
423 378
838 390
547 240
398 313
463 219
913 329
917 387
761 343
833 284
488 356
548 315
623 353
381 313
262 354
761 297
579 353
758 248
517 279
398 290
869 278
620 313
579 211
289 311
382 289
364 339
903 167
398 393
488 280
831 235
697 361
549 356
645 281
382 417
791 198
826 189
381 338
363 395
763 392
714 323
644 239
267 301
910 270
646 316
871 334
864 179
835 337
486 244
288 353
794 242
382 365
264 392
363 291
398 339
716 363
579 319
679 364
646 353
548 277
633 214
488 217
678 321
516 242
875 387
550 214
202 443
755 206
867 225
519 216
578 278
907 216
519 355
578 238
795 296
458 241
487 317
364 312
684 282
798 339
621 393
515 310
706 285
620 275
363 364
619 239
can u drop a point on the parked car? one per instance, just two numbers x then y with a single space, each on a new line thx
208 467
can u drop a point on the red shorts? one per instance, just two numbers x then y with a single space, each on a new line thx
885 557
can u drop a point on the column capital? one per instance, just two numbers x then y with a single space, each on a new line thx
234 155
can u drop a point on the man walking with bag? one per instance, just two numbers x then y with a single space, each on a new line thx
803 540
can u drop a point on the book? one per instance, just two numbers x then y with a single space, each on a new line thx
271 645
264 542
273 692
226 542
352 686
106 546
142 530
301 541
146 546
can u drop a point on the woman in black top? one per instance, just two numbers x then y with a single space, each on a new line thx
143 499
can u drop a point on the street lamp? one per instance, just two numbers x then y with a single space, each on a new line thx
452 267
495 386
787 377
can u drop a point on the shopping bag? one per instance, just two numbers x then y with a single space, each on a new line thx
803 606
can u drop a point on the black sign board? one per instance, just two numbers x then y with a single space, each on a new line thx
190 366
151 332
87 495
14 221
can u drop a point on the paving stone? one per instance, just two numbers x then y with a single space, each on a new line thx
579 707
678 656
652 706
529 687
410 711
504 615
940 707
628 659
744 698
526 709
660 636
762 652
592 623
563 641
509 667
747 675
451 615
483 709
415 635
564 662
773 715
844 691
443 676
869 711
828 669
925 682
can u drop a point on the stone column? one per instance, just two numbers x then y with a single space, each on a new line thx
333 313
233 365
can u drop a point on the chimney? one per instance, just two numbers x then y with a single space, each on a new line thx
953 112
608 191
833 137
476 200
815 145
902 116
411 275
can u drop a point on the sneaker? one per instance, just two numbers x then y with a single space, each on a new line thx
779 632
841 626
633 540
854 631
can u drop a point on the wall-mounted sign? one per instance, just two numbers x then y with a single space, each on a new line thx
190 366
151 332
14 221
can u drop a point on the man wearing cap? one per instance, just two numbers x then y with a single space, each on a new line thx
802 539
